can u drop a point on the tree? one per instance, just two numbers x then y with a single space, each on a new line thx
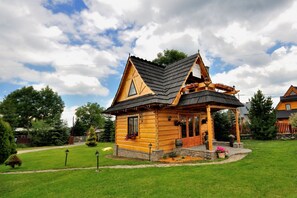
90 115
223 123
91 139
22 106
169 56
293 120
7 143
44 134
262 117
108 133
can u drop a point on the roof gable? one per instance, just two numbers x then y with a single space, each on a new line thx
290 95
131 79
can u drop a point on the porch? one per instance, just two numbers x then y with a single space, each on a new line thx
201 151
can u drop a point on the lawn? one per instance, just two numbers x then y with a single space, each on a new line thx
78 157
269 171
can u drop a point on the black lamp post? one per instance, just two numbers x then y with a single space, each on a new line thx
150 150
97 155
67 151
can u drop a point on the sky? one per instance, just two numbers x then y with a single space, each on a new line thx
79 48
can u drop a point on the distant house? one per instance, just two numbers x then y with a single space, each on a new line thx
156 106
286 107
244 112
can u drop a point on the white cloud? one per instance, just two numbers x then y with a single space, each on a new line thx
68 115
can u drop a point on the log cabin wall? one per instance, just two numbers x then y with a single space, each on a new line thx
146 134
282 105
168 132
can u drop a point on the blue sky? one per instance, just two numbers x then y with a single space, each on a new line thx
80 47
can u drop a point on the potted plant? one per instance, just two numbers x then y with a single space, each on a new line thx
131 136
221 152
231 140
178 143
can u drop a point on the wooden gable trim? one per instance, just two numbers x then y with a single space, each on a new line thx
139 90
290 90
121 82
204 72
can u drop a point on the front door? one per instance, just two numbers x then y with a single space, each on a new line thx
190 130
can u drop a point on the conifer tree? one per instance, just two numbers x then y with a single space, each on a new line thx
92 138
262 117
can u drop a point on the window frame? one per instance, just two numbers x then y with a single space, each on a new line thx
288 107
133 117
133 94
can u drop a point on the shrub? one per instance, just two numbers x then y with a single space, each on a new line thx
7 144
13 160
293 120
91 139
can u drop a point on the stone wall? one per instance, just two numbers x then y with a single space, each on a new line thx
121 152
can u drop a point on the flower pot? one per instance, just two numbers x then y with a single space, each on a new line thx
221 155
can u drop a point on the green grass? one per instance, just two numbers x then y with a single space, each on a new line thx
269 171
78 157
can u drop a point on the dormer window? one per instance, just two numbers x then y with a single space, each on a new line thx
288 107
132 90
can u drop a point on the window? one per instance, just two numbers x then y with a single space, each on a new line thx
288 107
293 93
132 90
133 126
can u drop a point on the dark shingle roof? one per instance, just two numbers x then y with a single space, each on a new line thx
152 74
288 98
209 97
166 82
284 113
136 102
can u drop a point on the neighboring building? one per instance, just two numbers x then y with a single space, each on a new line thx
287 105
156 105
244 112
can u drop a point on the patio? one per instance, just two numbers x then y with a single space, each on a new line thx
200 151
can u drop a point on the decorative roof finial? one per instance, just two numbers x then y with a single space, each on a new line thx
198 51
129 55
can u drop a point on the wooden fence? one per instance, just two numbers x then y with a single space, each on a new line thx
285 128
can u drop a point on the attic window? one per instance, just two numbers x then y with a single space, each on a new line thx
292 93
132 90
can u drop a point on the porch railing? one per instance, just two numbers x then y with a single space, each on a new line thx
285 128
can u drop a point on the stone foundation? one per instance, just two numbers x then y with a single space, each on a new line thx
286 136
207 155
155 155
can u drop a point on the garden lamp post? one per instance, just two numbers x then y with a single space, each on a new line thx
150 150
97 155
66 152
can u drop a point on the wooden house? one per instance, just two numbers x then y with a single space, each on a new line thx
286 106
157 105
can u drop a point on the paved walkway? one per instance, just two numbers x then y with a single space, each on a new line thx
48 148
232 158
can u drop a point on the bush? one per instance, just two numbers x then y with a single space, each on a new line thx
13 160
91 139
293 120
223 123
7 144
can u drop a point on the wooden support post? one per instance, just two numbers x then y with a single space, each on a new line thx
237 125
209 128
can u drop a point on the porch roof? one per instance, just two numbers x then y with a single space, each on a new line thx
209 97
